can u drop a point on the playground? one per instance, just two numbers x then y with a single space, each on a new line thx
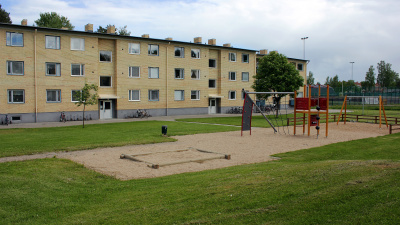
246 149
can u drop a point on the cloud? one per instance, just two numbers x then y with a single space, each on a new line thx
339 31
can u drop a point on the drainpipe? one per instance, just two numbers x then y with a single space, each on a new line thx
166 81
34 74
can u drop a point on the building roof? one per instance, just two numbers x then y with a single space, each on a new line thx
113 36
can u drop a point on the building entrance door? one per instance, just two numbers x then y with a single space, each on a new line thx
212 107
106 107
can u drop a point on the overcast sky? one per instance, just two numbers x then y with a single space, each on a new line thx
339 31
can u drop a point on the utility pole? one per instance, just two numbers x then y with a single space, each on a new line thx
304 46
352 63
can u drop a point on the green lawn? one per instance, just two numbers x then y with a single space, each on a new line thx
354 182
39 140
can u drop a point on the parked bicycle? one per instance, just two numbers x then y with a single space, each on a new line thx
141 113
234 110
6 121
62 117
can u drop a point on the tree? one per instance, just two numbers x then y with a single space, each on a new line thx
53 20
4 16
276 74
369 78
102 30
123 31
310 78
87 96
333 81
386 76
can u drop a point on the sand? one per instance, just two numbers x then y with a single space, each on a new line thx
246 149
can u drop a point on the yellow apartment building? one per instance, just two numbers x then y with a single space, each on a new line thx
42 68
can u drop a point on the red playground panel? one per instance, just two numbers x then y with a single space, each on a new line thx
302 103
314 102
314 121
322 103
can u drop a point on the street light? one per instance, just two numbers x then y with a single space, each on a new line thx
304 46
352 70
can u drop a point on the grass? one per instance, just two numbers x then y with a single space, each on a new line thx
354 182
30 141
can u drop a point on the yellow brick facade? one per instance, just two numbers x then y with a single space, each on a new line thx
35 82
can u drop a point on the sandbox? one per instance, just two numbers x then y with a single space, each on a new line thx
245 149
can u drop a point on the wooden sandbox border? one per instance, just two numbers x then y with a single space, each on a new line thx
158 165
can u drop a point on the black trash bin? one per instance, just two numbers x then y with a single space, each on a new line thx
164 130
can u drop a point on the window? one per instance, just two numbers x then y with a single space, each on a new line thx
195 53
232 76
245 58
15 39
77 69
16 118
179 73
134 95
16 96
134 48
153 49
232 95
105 81
52 42
195 95
15 68
53 96
75 95
78 44
134 72
195 74
300 66
153 95
212 83
212 63
53 69
245 76
232 57
179 95
180 52
105 56
153 72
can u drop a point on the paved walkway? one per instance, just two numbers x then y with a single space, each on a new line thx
75 123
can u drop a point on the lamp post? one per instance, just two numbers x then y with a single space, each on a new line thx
304 46
352 63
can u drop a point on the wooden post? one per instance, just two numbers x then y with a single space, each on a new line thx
345 98
384 114
380 113
309 109
295 109
327 109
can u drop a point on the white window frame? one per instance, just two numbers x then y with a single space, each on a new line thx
81 70
10 65
230 95
248 76
81 44
10 97
150 96
181 73
232 57
131 71
152 48
130 94
134 46
57 69
105 86
197 74
72 95
215 83
56 40
248 58
10 36
181 94
215 63
151 74
58 95
231 74
105 53
195 93
300 65
181 51
195 53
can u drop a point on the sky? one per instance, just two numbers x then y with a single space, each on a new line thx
338 31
